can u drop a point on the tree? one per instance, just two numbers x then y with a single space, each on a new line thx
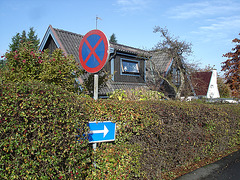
113 38
231 67
18 39
176 50
15 42
32 37
223 88
23 37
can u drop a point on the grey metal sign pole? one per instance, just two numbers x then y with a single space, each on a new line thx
95 92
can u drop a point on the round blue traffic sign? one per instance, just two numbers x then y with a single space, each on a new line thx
94 51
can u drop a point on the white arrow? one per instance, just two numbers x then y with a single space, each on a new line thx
104 131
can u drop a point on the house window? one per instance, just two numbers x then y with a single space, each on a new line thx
129 67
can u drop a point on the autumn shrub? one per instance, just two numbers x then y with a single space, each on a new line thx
116 161
39 124
27 64
139 94
185 133
168 134
42 129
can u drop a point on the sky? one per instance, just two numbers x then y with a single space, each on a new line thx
209 25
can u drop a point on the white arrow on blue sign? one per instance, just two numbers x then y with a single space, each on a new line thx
101 131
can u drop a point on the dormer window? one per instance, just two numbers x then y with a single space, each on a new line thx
129 67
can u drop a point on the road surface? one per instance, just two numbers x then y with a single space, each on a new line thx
227 168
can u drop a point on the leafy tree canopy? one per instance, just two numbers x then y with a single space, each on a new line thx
24 37
231 67
113 38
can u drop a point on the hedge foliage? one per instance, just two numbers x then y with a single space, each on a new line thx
38 133
40 123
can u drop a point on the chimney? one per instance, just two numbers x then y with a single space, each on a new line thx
213 88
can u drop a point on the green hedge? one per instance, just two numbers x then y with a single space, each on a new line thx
38 133
39 125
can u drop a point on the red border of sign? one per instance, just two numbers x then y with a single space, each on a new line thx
106 51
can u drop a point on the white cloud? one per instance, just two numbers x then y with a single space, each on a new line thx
204 8
223 23
132 5
124 2
213 21
219 29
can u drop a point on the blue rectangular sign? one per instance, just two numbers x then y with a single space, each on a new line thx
101 131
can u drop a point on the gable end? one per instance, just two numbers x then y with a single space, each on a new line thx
49 35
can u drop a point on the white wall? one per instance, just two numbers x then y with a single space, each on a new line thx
213 88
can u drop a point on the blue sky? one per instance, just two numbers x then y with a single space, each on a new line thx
210 25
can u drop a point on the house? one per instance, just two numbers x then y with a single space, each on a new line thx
159 65
205 84
159 62
161 68
126 64
129 67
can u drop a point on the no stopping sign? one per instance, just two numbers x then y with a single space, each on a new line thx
94 51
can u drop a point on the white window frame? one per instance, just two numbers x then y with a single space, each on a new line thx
124 71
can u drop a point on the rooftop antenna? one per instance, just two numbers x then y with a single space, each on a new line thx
97 18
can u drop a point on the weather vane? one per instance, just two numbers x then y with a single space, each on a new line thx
97 18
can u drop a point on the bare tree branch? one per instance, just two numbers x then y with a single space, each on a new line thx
176 50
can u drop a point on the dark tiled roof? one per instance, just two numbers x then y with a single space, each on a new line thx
161 61
128 49
71 42
200 82
112 86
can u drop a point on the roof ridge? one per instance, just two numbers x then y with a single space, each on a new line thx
117 44
127 46
69 32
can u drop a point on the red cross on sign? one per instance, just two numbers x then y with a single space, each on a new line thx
94 51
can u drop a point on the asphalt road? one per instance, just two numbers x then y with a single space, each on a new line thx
227 168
